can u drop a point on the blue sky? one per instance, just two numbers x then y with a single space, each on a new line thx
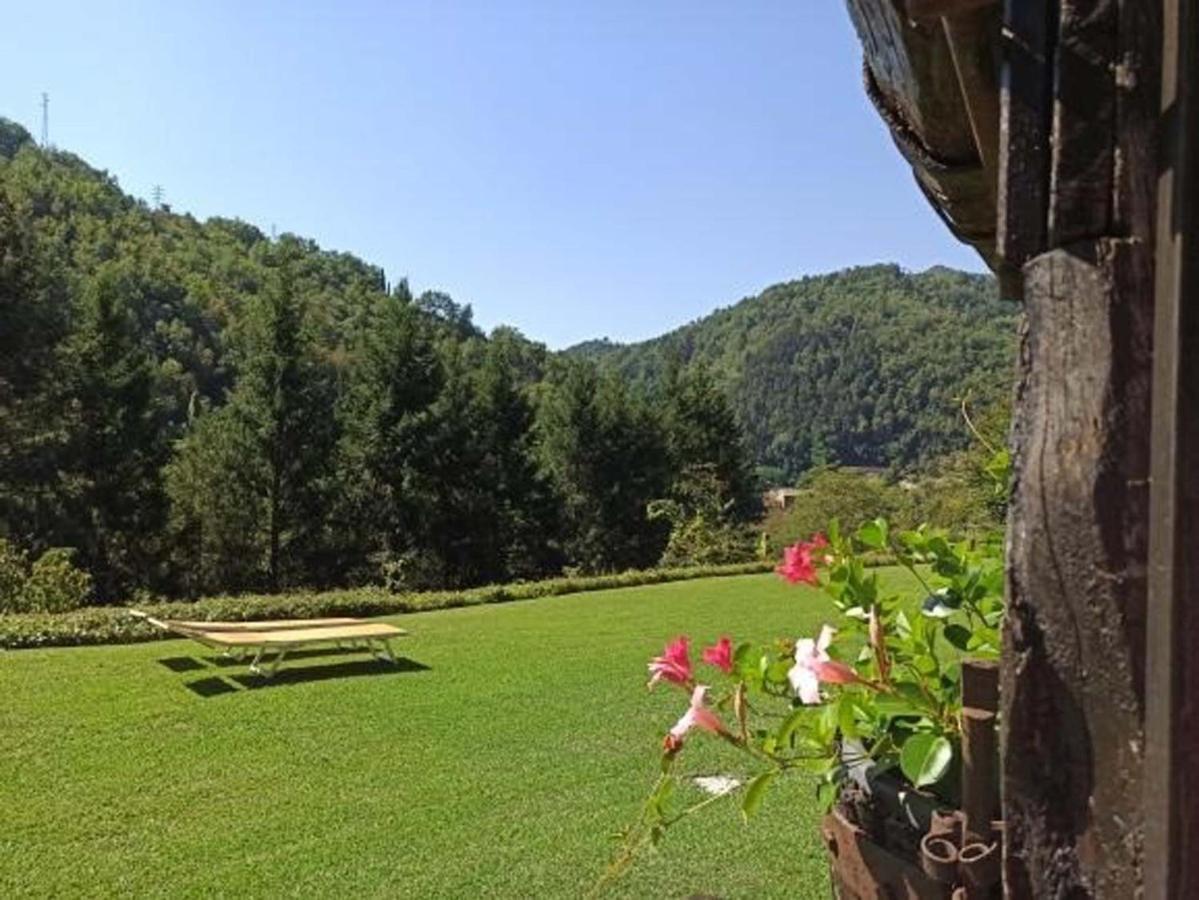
574 169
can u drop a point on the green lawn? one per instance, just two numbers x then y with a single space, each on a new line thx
496 762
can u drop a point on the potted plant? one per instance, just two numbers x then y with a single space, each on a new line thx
891 705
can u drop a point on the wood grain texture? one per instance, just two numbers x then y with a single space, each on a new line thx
1073 651
1024 121
911 79
1082 168
1172 675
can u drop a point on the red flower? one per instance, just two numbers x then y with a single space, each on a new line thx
673 665
720 655
797 565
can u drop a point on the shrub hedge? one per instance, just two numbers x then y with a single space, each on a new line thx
114 625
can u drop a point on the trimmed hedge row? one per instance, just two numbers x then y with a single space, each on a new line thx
114 625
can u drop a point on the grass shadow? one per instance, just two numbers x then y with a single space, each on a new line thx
305 653
211 687
182 664
357 668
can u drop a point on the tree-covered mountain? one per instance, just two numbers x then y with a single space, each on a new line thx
194 407
862 367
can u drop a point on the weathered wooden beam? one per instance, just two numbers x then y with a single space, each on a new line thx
1071 710
1078 133
911 79
1172 676
971 43
925 10
1083 131
1025 105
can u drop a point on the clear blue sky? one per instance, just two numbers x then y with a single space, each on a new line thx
574 169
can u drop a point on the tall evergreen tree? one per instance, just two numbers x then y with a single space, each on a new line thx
274 441
607 457
33 320
703 432
395 378
117 445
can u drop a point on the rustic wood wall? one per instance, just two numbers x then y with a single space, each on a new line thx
1076 212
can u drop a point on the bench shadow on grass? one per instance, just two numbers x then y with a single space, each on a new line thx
217 685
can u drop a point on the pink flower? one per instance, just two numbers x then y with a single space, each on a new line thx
697 716
797 565
673 665
813 666
720 655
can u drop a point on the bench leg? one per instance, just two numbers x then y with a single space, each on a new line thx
270 673
256 660
381 649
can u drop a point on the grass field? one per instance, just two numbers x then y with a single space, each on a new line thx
496 761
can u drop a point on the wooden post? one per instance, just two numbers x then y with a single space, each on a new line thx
980 782
1076 199
1172 720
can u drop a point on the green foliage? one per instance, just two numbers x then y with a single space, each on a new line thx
250 486
606 456
14 572
703 529
111 465
12 138
197 408
52 584
845 494
858 368
882 689
55 585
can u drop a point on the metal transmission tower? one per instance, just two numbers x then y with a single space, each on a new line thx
156 194
45 120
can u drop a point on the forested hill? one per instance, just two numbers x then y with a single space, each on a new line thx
195 407
860 367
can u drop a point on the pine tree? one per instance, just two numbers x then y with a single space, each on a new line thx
395 377
606 454
117 445
703 433
265 455
33 321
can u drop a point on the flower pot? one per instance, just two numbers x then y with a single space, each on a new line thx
861 868
885 839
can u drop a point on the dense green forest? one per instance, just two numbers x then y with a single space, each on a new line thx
195 407
864 367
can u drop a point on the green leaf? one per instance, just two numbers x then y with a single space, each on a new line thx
873 534
846 718
958 635
925 758
826 793
755 793
794 719
662 796
777 672
897 705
